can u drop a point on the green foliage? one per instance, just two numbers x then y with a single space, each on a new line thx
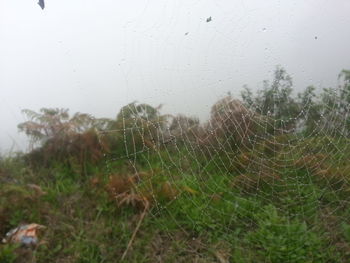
266 177
279 240
137 128
310 112
7 253
308 99
275 100
18 204
346 231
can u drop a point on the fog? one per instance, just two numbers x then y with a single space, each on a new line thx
97 56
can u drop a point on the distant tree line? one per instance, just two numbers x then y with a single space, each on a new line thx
138 127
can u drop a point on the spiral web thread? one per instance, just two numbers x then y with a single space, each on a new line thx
221 160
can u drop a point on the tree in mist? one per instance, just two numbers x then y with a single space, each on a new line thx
56 123
62 136
326 112
184 129
310 107
275 100
139 126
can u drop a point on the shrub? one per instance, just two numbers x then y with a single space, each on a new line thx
279 240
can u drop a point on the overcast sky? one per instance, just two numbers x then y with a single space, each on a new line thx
96 56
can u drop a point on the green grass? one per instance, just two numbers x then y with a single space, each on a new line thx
296 219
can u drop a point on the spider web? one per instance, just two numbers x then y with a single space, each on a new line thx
237 165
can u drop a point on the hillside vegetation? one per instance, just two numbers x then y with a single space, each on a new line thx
266 179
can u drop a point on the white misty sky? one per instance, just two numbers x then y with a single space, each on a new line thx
96 56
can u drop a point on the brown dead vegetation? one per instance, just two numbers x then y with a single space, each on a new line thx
324 172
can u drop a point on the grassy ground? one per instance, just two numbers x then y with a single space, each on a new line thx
288 206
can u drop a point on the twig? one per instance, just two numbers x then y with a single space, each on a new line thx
136 229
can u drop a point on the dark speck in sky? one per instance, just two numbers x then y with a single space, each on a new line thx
42 4
186 33
315 37
209 19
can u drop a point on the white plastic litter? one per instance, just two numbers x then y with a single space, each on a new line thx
26 235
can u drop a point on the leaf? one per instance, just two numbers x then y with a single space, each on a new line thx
189 190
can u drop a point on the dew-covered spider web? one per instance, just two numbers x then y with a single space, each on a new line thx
266 173
219 172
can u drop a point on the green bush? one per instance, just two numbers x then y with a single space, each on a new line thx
7 253
279 240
